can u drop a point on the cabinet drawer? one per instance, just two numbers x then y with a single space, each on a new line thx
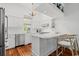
10 42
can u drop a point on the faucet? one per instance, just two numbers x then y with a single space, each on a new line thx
38 30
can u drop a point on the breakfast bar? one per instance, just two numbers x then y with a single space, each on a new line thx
44 44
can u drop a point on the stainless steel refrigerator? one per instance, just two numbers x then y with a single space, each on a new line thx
2 36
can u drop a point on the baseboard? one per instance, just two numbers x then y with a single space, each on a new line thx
28 44
34 54
19 45
51 52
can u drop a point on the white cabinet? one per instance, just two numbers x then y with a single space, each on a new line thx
35 46
39 46
6 44
51 45
43 46
10 42
19 39
22 39
28 38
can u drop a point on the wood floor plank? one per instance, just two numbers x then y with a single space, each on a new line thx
67 52
20 51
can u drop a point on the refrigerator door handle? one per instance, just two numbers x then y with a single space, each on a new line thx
6 29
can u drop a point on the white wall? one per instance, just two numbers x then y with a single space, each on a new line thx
70 22
72 17
16 13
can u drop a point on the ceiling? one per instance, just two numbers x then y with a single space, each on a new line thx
25 9
17 9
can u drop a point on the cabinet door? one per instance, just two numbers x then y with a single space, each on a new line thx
28 38
22 39
43 47
6 44
11 41
35 45
51 45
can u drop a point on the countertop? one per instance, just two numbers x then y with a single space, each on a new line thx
46 35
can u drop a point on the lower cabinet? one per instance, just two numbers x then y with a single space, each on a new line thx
35 46
19 39
10 42
28 38
43 46
51 45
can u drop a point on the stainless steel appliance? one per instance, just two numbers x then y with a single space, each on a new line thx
6 32
3 31
2 44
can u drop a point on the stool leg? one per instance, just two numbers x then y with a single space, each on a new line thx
72 52
71 47
57 50
76 46
62 50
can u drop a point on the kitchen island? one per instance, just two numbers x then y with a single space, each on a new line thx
44 44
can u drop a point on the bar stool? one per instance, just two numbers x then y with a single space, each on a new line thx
67 41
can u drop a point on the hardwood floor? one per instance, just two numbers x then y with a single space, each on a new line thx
20 51
66 52
26 51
